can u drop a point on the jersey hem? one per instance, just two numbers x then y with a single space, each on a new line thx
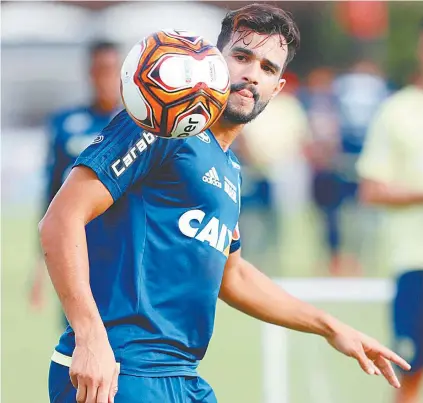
66 360
157 374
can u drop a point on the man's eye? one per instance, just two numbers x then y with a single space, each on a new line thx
241 58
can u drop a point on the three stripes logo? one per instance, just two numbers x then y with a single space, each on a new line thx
212 178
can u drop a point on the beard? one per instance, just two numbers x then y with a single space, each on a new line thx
235 114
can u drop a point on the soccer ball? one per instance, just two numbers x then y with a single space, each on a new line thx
174 84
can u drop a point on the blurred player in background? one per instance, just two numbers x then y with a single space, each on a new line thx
70 131
142 293
321 149
358 93
340 111
391 168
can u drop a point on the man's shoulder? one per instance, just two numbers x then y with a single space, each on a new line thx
400 98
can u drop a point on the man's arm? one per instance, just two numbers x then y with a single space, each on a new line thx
245 288
382 157
62 232
375 192
55 167
248 290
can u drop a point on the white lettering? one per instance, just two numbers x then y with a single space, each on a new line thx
133 153
141 145
185 222
117 171
217 235
149 137
127 160
210 232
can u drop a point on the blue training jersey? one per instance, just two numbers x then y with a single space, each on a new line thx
70 132
157 263
358 96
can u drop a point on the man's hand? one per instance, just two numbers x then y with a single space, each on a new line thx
94 372
373 358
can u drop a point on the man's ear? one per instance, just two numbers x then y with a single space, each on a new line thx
279 87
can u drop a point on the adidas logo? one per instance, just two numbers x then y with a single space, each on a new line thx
212 178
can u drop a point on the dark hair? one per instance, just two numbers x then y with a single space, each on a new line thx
263 19
100 46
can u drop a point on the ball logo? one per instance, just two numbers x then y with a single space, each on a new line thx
188 71
126 77
191 122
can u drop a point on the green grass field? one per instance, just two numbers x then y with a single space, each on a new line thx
232 365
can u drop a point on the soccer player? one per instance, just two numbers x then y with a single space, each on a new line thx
70 132
322 150
141 295
357 93
391 168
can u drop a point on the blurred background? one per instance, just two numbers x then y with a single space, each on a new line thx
301 217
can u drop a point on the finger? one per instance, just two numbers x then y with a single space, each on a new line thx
103 393
81 393
74 380
377 370
113 386
388 372
92 393
395 358
366 365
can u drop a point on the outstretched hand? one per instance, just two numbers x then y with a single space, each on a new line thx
374 358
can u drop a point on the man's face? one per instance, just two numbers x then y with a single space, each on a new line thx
105 75
255 64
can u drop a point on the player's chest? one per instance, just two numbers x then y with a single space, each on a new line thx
202 177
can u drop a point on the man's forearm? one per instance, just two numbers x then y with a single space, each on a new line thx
390 195
64 244
250 291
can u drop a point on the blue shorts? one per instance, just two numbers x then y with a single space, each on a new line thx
136 389
408 318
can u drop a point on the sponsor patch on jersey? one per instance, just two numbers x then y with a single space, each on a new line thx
195 224
120 165
230 190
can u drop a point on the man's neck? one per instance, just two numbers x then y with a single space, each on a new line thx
225 132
